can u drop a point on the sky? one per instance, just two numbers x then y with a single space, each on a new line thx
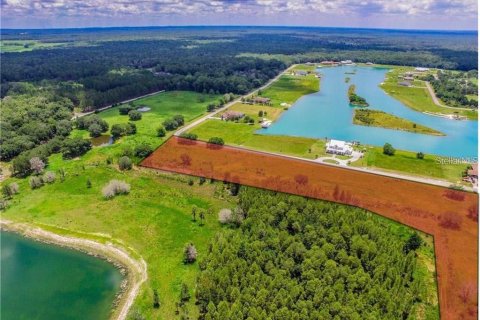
394 14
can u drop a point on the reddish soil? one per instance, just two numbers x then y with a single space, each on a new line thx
450 216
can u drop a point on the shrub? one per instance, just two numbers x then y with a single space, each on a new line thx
75 147
143 150
3 204
413 243
420 155
179 119
216 140
189 253
8 190
125 109
49 177
135 115
191 136
115 187
124 163
161 132
225 216
37 165
123 129
170 124
388 149
89 184
14 188
36 182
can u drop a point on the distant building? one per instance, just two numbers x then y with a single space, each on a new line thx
405 83
328 62
346 62
232 115
261 100
408 78
369 63
422 69
339 147
300 73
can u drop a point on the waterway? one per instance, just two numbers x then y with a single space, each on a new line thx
41 281
328 114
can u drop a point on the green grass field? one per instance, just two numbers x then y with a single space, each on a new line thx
417 98
382 119
290 88
27 45
163 106
407 162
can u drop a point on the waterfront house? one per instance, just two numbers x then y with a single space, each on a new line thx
261 100
232 115
422 69
339 147
405 83
300 73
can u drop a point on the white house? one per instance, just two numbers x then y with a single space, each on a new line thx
339 147
422 69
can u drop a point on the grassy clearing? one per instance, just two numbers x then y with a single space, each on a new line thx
382 119
290 88
417 98
253 109
154 219
407 162
163 106
28 45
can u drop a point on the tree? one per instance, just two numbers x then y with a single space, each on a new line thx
211 107
89 183
170 124
143 150
179 119
161 132
49 177
21 165
125 109
388 149
95 130
156 299
134 115
75 147
189 254
420 155
124 163
190 136
37 165
7 191
216 140
202 217
260 113
413 243
36 182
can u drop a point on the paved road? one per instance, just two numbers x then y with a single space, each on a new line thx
226 106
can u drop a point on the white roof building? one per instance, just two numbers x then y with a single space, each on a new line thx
422 69
339 147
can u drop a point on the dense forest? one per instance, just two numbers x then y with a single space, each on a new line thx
295 258
218 60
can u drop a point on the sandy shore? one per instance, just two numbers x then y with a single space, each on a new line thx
135 271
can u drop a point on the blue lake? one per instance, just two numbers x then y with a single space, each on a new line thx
327 113
45 282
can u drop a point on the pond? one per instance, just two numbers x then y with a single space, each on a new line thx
44 282
327 114
103 140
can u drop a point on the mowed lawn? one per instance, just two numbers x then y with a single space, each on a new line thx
416 97
290 88
252 110
242 134
163 106
154 220
407 162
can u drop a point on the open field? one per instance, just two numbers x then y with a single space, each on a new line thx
154 220
382 119
252 110
407 162
415 97
242 134
450 216
163 106
290 88
28 45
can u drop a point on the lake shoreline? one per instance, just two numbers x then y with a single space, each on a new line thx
134 271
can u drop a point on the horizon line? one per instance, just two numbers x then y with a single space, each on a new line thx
242 25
